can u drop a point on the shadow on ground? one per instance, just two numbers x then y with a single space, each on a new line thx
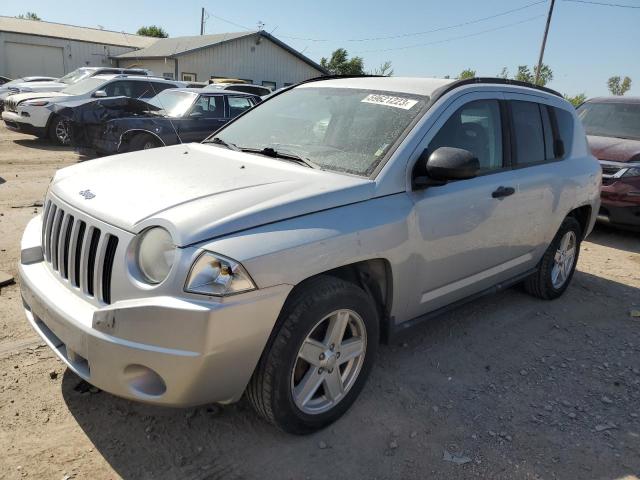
42 144
523 388
613 237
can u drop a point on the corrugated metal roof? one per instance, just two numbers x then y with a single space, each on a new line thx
71 32
168 47
171 47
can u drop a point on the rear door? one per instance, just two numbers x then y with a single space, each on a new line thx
465 229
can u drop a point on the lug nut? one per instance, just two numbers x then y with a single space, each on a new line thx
322 357
332 346
337 354
320 370
331 370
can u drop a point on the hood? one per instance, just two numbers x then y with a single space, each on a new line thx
21 97
614 149
40 86
199 192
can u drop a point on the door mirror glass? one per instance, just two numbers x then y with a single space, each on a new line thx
449 163
99 94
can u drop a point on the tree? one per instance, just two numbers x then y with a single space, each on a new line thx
618 88
466 73
524 74
152 31
384 70
340 64
576 100
504 73
30 16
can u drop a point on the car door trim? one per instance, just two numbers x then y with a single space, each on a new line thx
473 279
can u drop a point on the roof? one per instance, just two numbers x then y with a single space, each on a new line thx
173 47
614 99
411 85
210 93
72 32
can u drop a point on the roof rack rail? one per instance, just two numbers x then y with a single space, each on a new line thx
501 81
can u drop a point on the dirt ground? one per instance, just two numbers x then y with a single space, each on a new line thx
505 387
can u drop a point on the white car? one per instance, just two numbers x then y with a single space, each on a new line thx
29 112
13 86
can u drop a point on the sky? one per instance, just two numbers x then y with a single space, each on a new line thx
587 43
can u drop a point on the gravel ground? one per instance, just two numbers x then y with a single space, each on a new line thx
505 387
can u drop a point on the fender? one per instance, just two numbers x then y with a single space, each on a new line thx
140 130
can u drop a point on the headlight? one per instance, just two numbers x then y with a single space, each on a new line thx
156 254
36 103
632 172
216 275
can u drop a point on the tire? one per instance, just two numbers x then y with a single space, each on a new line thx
281 371
56 128
544 284
142 141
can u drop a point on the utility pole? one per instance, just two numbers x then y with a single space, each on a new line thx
544 41
202 22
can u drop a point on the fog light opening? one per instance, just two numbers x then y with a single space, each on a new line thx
143 380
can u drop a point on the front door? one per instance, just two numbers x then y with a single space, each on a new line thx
464 228
205 117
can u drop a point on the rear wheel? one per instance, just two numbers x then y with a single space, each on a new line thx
319 360
558 263
143 141
60 131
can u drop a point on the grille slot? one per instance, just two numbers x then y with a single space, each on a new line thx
79 252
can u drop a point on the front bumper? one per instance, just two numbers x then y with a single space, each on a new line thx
621 202
163 350
15 122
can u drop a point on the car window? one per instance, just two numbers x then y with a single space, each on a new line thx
120 88
208 107
620 120
146 89
237 105
563 123
528 133
252 89
475 127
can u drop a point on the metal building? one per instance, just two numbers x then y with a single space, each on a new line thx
257 57
29 47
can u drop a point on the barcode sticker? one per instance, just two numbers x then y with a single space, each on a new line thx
389 101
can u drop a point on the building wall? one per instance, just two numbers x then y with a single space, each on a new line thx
75 54
246 59
159 67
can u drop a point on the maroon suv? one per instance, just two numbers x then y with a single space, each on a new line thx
613 131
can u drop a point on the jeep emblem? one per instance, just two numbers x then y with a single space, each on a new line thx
87 194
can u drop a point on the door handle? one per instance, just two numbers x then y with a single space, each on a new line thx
502 192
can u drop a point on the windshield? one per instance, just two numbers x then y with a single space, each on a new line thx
85 86
620 120
174 103
75 76
341 129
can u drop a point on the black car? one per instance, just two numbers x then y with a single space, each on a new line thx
177 115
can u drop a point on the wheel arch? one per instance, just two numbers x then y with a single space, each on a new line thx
126 137
583 216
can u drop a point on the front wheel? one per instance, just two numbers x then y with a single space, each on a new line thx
143 141
60 131
558 263
320 358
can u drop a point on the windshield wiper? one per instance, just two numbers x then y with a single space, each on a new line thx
270 152
219 141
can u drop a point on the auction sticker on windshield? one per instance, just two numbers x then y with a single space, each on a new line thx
390 101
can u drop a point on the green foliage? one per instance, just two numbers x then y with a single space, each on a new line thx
617 87
340 64
30 16
524 74
385 70
152 31
466 73
576 100
504 73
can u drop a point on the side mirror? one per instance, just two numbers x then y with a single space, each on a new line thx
99 94
448 163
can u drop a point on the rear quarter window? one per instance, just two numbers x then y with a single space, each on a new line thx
563 131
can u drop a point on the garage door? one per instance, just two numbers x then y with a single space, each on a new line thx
24 59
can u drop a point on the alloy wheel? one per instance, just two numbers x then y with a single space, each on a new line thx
329 361
563 259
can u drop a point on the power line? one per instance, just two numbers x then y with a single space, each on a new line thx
619 5
412 34
460 37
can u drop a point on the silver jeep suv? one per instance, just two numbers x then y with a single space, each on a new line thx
272 259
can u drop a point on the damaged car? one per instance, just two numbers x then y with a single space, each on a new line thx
116 125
